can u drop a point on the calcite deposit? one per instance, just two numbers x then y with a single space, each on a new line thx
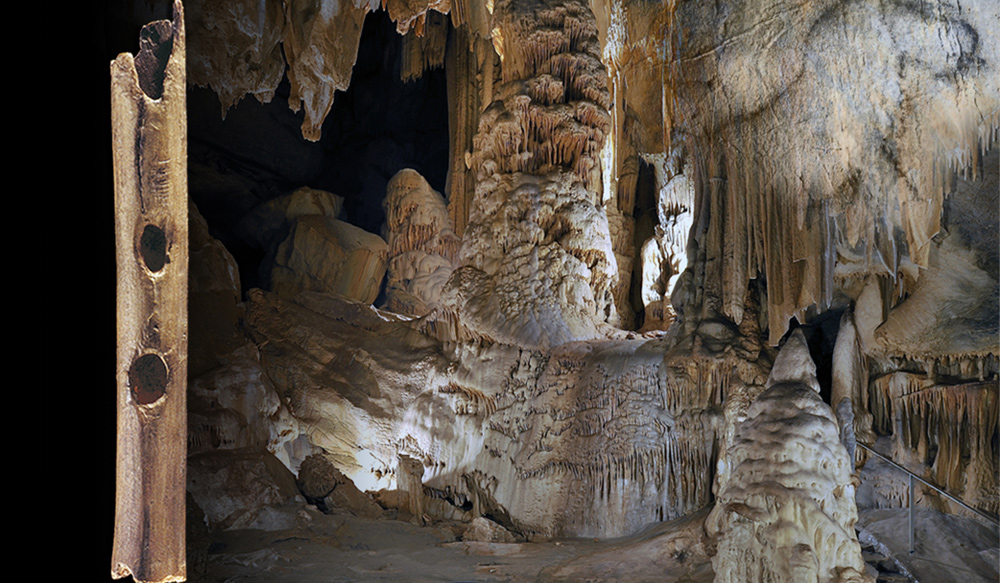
850 187
236 48
605 425
558 314
785 509
310 249
537 265
422 244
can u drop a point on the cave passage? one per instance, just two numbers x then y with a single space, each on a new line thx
379 126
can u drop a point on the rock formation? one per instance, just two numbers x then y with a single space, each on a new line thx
537 267
236 49
785 510
318 252
422 244
604 425
825 208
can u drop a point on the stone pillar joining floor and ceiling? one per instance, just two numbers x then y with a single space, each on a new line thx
149 131
785 508
537 264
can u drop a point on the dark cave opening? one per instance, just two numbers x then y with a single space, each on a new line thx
377 127
821 335
646 221
381 125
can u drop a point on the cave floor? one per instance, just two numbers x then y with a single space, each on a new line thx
946 547
300 543
342 547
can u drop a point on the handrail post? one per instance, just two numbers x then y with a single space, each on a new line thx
911 513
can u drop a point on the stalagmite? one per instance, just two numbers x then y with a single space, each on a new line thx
149 129
422 244
785 512
409 477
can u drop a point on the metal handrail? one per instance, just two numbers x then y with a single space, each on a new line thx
934 487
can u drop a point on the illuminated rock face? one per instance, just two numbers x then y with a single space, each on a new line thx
537 265
594 438
931 360
422 244
785 508
822 144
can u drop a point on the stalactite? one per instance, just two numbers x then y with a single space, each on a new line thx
425 51
786 215
946 432
250 29
334 31
670 34
955 429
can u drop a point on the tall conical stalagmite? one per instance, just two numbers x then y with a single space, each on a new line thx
785 512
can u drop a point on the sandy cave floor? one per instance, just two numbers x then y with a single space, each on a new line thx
303 544
341 547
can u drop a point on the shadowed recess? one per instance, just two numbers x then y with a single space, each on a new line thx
147 377
153 248
155 44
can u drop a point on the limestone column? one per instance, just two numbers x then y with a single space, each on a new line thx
537 267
